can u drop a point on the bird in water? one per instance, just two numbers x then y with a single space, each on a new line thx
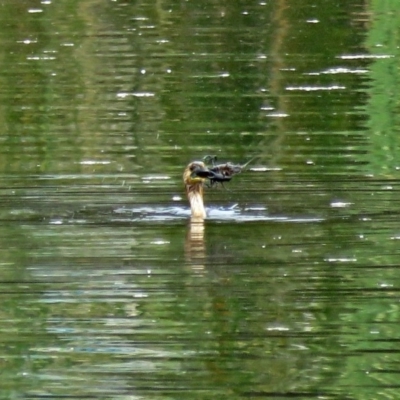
194 177
196 174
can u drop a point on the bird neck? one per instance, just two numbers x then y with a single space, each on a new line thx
195 196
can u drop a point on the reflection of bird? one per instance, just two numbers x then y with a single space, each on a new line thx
194 176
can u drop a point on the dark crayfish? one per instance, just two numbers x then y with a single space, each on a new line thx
221 173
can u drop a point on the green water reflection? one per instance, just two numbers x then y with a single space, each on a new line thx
288 290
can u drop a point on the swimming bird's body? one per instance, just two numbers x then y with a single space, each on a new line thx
194 176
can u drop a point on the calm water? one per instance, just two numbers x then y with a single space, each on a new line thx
291 287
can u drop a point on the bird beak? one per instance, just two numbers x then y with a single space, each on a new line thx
200 174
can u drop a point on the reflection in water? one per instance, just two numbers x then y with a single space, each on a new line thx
194 244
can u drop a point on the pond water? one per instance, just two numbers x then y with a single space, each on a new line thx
290 288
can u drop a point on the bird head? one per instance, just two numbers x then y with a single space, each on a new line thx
196 172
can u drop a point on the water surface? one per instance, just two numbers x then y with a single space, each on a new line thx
288 290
